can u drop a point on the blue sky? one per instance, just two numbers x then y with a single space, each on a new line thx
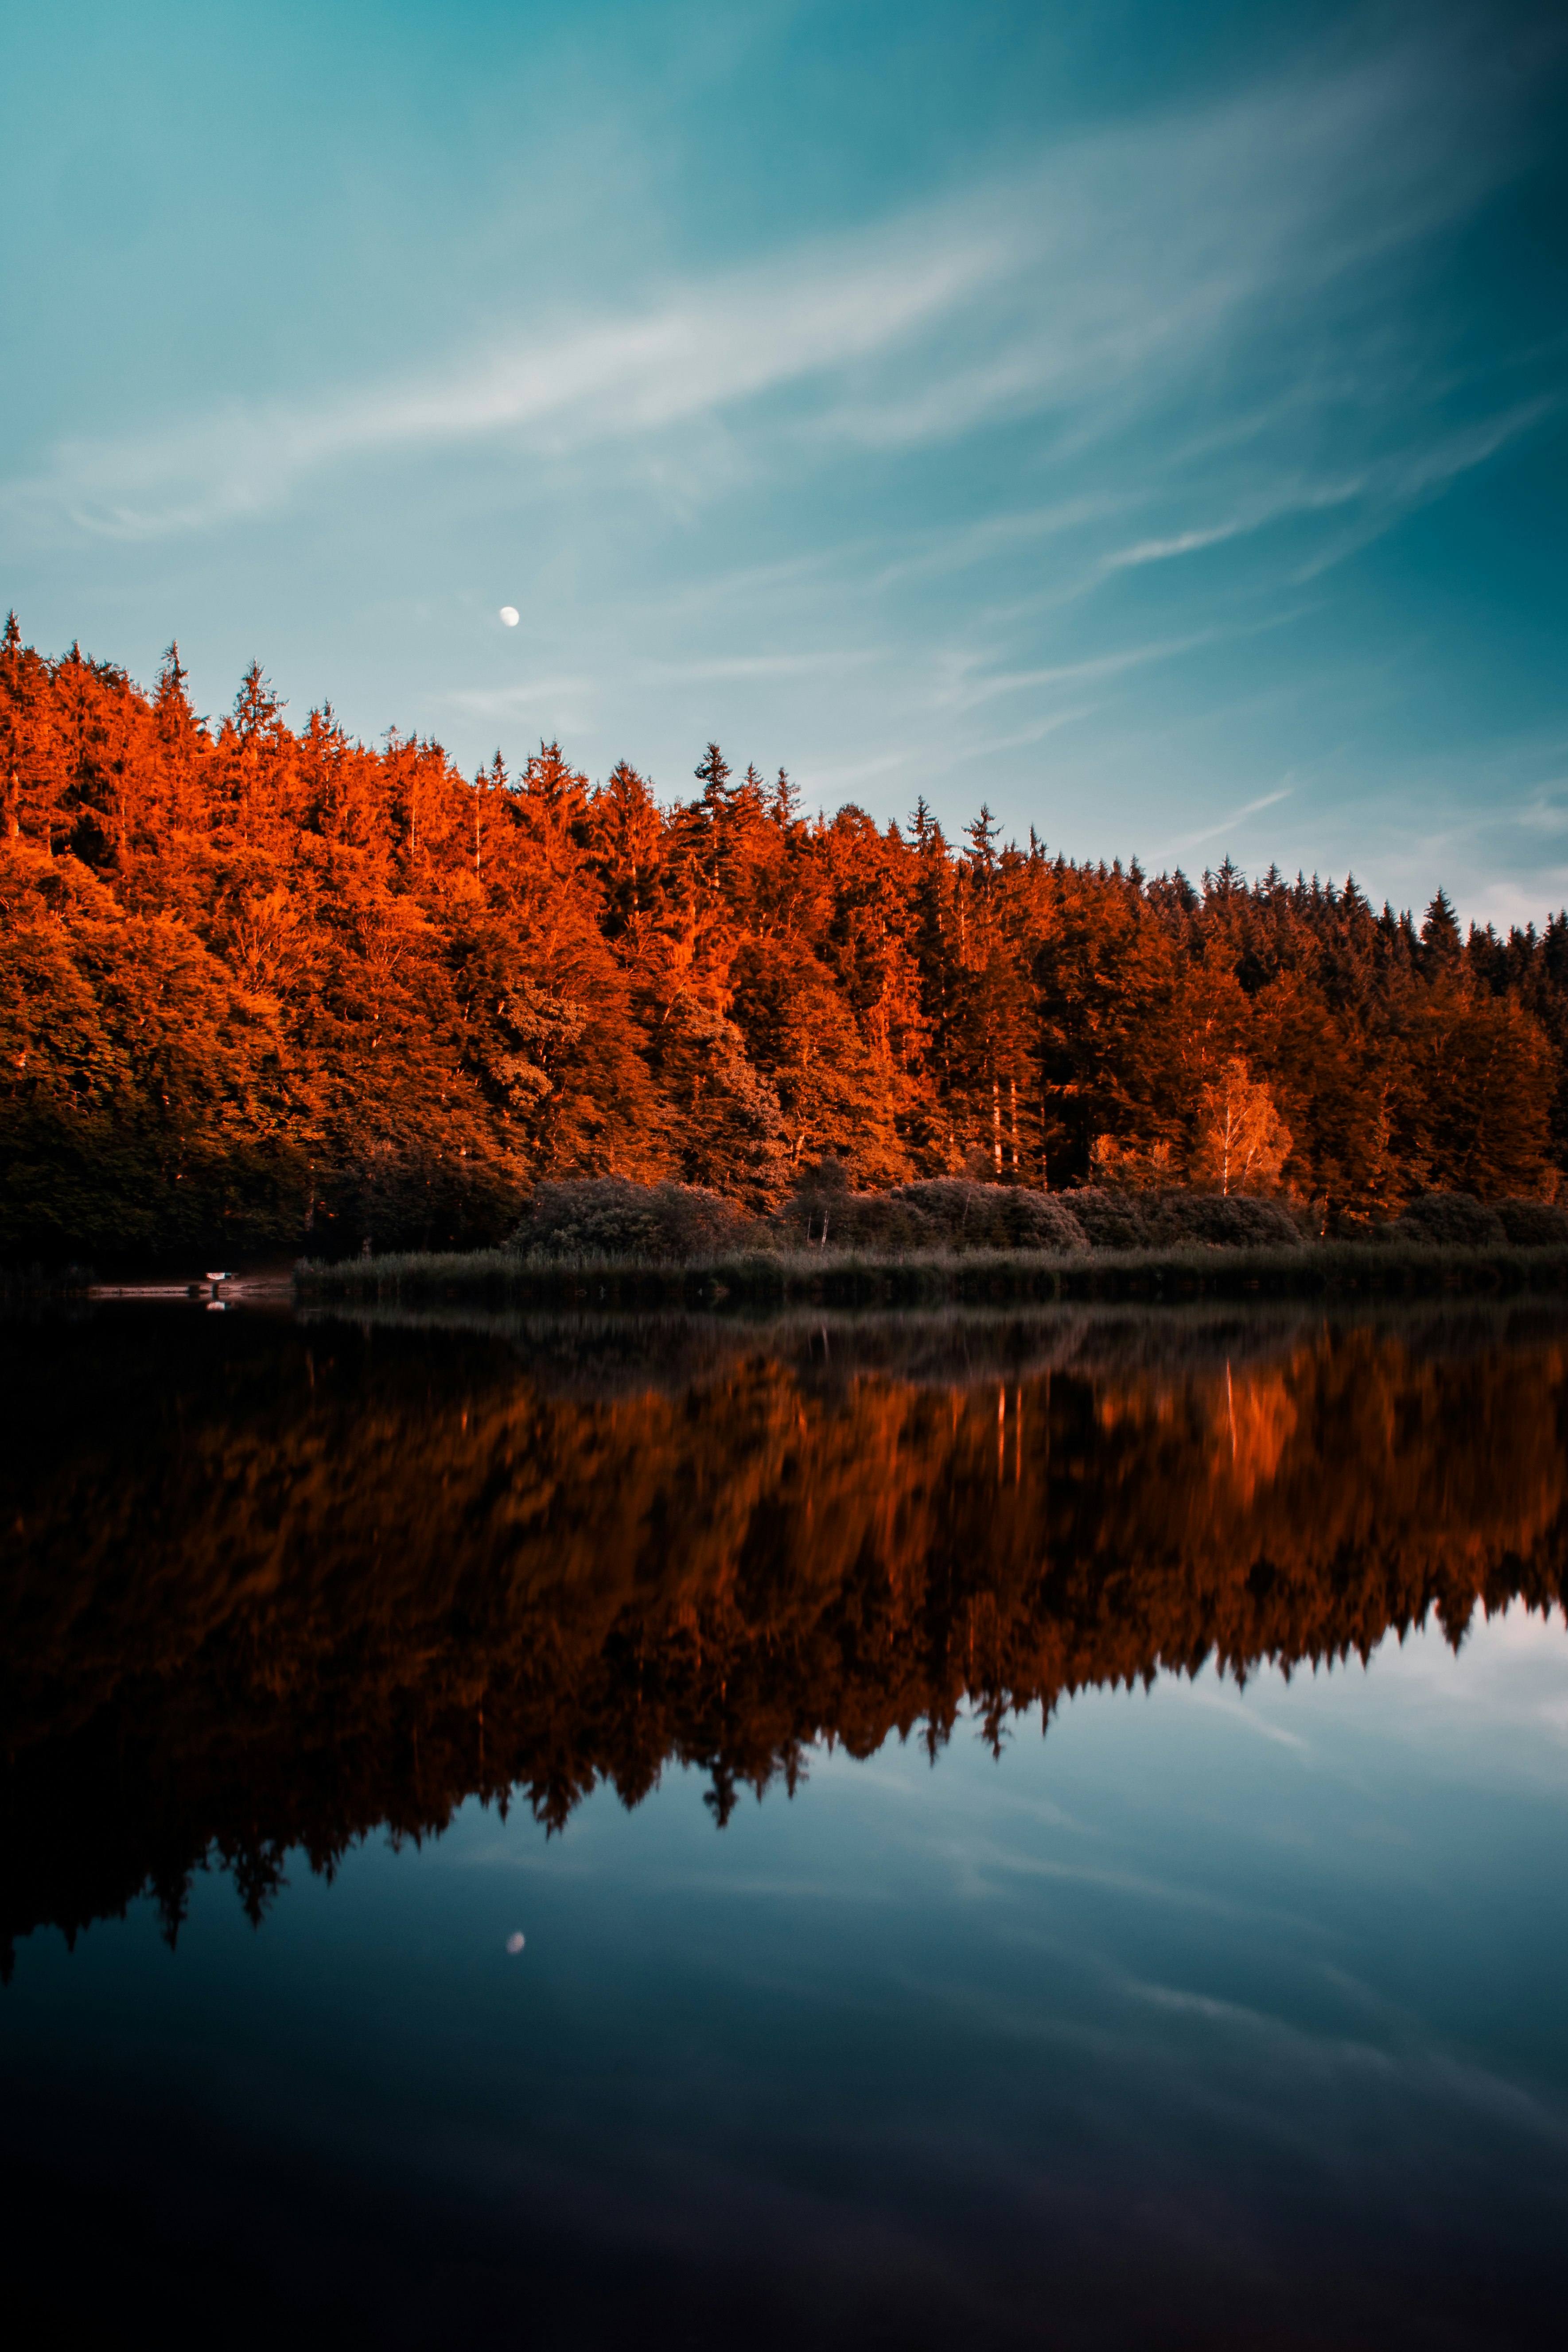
1151 420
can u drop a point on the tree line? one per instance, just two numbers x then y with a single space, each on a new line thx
265 985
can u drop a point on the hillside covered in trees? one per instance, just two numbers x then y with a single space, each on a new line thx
266 986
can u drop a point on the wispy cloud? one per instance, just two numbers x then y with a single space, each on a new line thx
1185 542
1386 488
1080 288
1228 823
1037 733
729 666
1035 462
962 546
1279 504
706 347
967 687
846 775
503 703
1393 488
1546 811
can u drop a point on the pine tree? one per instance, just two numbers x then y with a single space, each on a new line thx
258 978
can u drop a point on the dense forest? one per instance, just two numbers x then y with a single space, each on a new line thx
272 1584
265 986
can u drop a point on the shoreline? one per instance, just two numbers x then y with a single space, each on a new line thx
870 1278
770 1279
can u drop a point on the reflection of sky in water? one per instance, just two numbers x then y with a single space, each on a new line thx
1243 2008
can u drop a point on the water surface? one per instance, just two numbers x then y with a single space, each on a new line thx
713 1661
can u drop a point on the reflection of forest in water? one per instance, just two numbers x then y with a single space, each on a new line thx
273 1583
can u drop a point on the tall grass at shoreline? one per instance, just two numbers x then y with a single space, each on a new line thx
860 1277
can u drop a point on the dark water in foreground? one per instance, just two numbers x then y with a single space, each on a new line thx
335 1656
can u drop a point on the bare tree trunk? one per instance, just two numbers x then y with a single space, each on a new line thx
996 1124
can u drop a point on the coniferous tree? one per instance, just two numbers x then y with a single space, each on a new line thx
260 984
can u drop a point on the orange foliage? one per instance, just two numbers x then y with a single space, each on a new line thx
262 985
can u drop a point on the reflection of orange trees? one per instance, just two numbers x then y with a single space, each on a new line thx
1259 1421
1248 1418
338 1581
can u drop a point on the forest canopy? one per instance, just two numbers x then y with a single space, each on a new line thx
268 987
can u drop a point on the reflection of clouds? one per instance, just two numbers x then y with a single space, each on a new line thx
1494 1639
1242 2050
1418 2068
1510 1670
1219 2012
1504 1690
973 1857
1233 1704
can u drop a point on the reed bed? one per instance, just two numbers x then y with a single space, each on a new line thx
20 1285
935 1278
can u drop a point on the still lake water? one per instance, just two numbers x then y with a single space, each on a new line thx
712 1660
